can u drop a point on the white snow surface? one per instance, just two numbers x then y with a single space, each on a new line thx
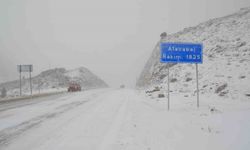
125 119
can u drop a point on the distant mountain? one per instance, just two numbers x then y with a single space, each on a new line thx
58 78
226 61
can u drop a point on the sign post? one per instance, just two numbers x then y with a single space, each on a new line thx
197 85
182 53
20 74
25 68
30 84
168 90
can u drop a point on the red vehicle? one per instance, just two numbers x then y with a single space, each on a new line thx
74 87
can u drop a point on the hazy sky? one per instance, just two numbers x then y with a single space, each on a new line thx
112 38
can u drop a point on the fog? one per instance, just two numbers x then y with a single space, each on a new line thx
111 38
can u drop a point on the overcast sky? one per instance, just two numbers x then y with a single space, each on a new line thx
112 38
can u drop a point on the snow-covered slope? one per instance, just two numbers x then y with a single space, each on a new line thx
56 79
226 61
86 78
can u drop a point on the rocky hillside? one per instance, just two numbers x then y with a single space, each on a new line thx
57 78
226 59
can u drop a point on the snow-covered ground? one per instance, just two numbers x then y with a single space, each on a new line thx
125 119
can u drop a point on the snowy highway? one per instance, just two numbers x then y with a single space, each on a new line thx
120 119
83 120
46 119
125 75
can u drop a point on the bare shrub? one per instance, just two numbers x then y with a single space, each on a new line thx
220 88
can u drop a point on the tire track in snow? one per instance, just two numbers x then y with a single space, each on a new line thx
110 136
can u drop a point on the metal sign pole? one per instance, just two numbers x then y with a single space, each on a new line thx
20 83
168 90
197 84
30 84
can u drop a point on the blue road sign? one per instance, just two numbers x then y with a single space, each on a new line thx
181 52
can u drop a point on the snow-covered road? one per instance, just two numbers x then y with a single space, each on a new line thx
84 120
122 119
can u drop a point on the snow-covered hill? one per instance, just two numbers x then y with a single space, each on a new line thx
225 70
54 80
